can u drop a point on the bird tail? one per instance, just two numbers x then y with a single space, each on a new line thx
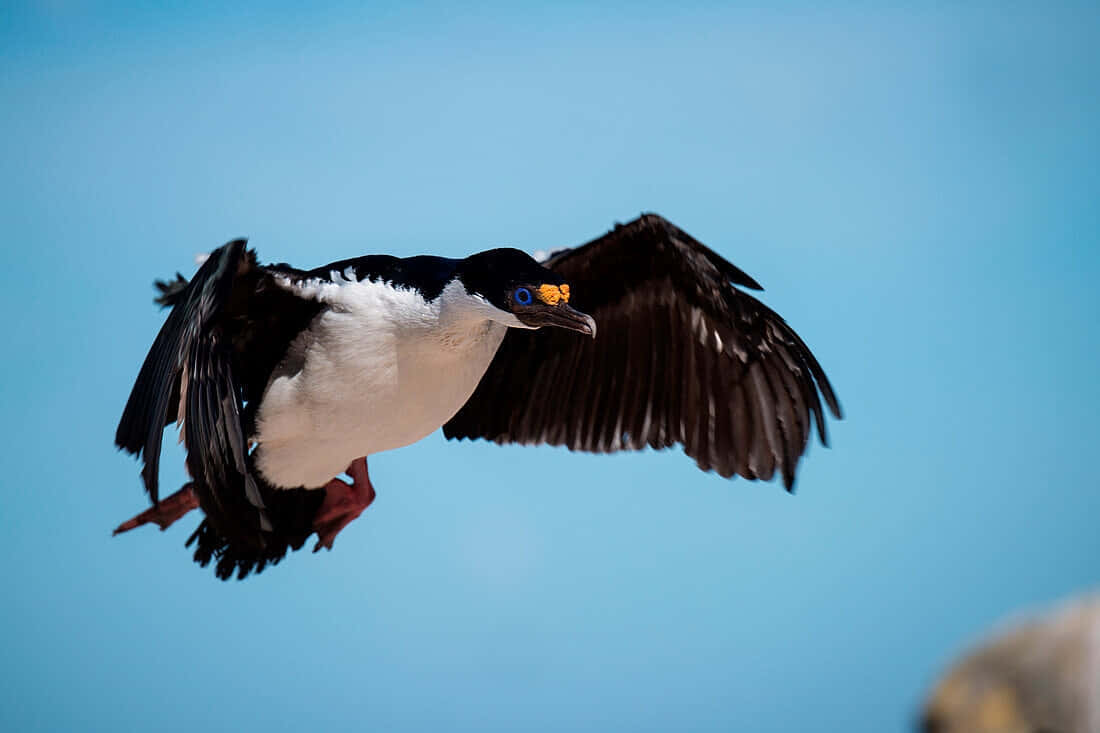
291 512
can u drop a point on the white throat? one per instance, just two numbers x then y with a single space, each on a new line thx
457 307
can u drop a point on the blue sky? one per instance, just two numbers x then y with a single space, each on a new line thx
915 187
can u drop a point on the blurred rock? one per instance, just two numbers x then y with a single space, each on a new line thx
1038 676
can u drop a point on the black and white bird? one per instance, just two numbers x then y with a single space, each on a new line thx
281 379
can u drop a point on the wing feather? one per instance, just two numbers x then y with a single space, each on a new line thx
683 356
196 306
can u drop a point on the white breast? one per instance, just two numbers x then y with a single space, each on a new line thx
380 369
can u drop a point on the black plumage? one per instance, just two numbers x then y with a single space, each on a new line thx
682 357
228 328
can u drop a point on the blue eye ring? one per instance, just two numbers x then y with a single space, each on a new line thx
522 296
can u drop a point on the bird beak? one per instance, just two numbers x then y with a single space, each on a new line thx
563 315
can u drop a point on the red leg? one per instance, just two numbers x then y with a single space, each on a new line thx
343 503
167 511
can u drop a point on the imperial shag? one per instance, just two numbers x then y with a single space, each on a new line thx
281 379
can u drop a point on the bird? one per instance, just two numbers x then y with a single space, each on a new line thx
281 380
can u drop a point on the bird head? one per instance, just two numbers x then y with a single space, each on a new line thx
514 289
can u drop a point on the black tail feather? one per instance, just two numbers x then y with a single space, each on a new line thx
291 512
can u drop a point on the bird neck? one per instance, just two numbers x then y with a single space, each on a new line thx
459 309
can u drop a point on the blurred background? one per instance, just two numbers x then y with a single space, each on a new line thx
915 186
1033 675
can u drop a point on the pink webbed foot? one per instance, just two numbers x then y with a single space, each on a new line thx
343 503
165 513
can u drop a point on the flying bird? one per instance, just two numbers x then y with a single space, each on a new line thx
280 380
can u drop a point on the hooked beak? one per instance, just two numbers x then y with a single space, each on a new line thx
562 315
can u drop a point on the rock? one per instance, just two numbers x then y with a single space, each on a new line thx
1039 676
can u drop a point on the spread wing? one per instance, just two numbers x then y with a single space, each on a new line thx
681 356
